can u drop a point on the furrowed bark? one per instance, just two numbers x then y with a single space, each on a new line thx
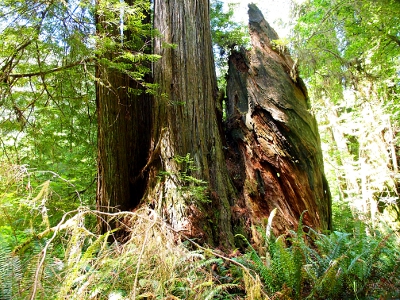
185 123
124 134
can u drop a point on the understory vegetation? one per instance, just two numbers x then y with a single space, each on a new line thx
48 254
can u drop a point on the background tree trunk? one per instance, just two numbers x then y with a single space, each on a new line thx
124 123
274 135
123 143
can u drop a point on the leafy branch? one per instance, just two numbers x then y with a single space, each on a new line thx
49 71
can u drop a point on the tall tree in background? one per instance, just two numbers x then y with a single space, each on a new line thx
123 107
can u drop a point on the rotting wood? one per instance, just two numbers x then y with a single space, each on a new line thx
270 125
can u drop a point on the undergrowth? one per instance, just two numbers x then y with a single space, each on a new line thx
150 264
67 259
306 264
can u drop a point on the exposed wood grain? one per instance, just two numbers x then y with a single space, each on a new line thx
270 125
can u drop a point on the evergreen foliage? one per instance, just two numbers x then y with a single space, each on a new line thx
338 265
47 91
227 35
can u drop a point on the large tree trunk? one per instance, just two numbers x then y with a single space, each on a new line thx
122 151
124 122
185 125
167 153
274 135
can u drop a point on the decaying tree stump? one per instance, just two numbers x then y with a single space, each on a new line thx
273 136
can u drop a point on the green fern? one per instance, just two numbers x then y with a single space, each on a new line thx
10 272
343 265
79 261
220 292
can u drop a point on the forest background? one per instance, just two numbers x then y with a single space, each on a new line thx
348 54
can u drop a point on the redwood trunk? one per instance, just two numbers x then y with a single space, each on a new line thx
273 134
124 123
185 123
123 143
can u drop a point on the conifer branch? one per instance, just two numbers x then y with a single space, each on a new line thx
49 71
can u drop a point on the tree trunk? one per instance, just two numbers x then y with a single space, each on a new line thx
275 136
122 152
185 125
124 122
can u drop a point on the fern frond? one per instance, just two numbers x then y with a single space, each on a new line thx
11 273
219 290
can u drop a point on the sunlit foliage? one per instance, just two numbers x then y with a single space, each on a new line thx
349 52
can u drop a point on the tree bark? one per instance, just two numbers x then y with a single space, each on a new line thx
124 123
185 123
275 136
